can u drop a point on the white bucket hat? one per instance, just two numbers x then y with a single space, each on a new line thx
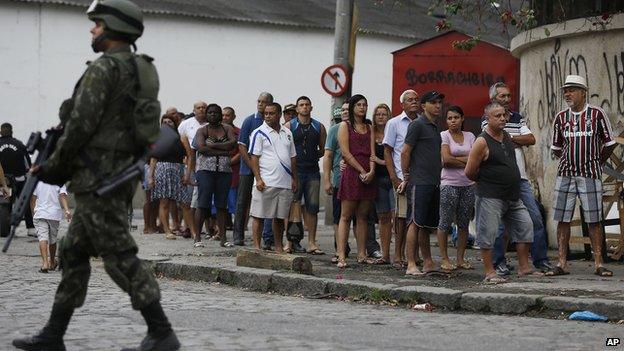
575 81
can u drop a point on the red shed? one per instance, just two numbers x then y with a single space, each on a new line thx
463 76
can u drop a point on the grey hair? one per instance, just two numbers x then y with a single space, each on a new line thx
489 107
494 87
402 97
267 95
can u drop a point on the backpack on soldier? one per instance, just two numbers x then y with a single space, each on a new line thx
144 126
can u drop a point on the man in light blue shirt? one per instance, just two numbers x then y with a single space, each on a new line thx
243 198
394 139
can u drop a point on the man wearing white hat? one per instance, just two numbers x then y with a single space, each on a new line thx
583 141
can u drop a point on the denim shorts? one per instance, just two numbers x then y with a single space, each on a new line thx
211 184
423 205
309 187
384 202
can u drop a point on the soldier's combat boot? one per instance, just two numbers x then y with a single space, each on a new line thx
153 342
160 336
50 338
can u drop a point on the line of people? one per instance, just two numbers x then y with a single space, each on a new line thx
402 173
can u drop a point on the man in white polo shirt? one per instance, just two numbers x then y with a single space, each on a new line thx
394 139
273 163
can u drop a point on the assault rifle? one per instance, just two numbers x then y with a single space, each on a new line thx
163 146
45 146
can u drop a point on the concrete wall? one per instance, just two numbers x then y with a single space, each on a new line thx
43 49
573 47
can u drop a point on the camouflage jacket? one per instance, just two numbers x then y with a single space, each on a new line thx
96 142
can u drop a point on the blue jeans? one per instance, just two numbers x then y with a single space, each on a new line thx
243 199
309 188
267 231
539 249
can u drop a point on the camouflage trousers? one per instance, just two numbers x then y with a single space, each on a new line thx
99 227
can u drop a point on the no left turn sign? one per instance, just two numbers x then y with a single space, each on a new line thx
335 80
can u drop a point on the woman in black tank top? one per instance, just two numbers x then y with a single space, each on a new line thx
383 202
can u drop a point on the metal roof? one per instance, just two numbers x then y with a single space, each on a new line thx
405 19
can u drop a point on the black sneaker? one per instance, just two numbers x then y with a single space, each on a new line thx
376 254
502 269
151 343
544 266
39 343
297 248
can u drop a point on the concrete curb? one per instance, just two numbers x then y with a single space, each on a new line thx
499 302
264 280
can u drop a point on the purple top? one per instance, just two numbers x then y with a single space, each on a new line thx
456 176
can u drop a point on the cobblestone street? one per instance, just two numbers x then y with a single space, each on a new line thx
215 317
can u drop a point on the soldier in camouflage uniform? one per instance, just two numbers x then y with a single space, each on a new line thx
97 143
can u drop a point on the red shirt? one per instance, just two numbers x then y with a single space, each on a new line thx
581 137
236 167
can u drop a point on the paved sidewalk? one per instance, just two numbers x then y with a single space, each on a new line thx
462 290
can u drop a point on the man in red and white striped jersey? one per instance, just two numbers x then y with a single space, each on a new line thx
583 141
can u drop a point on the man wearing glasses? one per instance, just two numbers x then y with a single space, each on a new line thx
492 165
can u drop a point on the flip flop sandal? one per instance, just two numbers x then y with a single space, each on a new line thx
493 279
531 274
198 244
379 261
465 265
399 266
341 263
366 260
43 270
334 259
227 244
448 266
603 272
315 252
54 267
415 274
556 271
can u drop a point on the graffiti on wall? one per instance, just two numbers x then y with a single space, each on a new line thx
608 67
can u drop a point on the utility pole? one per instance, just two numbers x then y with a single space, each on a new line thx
344 43
344 54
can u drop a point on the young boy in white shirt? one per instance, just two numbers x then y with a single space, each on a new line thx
48 204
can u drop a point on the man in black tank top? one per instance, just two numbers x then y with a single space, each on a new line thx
492 165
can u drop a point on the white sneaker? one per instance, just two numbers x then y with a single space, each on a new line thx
32 232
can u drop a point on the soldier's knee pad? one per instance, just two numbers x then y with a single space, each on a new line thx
122 267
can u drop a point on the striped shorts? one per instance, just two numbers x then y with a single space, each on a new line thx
588 190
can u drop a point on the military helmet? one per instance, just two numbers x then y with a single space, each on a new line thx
121 16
